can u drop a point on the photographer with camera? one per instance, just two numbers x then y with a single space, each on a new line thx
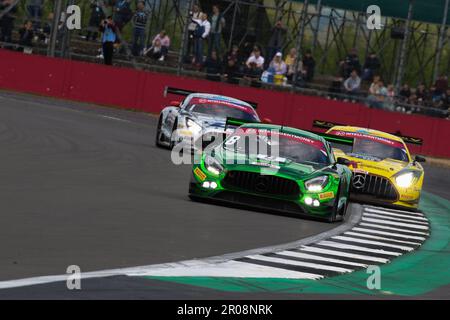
109 38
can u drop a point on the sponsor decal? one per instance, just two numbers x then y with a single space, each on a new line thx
326 195
265 132
367 136
200 174
224 102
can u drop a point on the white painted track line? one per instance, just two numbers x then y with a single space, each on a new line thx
344 254
319 258
393 223
338 245
301 264
386 233
380 216
368 236
388 213
380 243
365 224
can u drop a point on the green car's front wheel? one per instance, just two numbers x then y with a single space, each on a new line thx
338 214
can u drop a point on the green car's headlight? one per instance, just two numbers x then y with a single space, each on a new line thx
193 126
213 166
405 180
316 184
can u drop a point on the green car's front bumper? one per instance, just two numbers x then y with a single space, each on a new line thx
294 204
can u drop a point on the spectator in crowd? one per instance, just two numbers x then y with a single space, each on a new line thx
249 45
7 22
350 63
277 65
441 84
200 35
335 88
373 89
26 34
156 51
290 62
122 13
434 96
352 84
371 67
233 55
95 19
389 103
44 36
217 25
34 9
254 64
165 42
140 19
446 101
196 14
256 58
309 66
382 94
404 93
109 38
378 94
422 93
213 67
231 71
277 39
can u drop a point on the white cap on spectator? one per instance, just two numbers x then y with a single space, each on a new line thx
279 54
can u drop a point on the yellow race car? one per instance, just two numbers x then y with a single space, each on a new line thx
383 170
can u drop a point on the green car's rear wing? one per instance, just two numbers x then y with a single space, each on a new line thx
334 139
234 122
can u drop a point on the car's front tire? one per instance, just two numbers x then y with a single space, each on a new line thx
172 136
158 133
338 214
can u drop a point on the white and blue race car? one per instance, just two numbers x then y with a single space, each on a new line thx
199 118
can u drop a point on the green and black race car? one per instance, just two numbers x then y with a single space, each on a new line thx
274 168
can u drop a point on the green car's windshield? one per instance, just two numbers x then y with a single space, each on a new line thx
277 145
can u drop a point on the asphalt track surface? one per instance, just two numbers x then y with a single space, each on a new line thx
85 185
78 186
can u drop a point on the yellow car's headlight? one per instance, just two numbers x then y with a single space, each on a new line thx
405 180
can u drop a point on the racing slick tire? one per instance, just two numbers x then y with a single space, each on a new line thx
338 215
158 133
172 140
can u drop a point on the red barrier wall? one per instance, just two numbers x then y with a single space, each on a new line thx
142 90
